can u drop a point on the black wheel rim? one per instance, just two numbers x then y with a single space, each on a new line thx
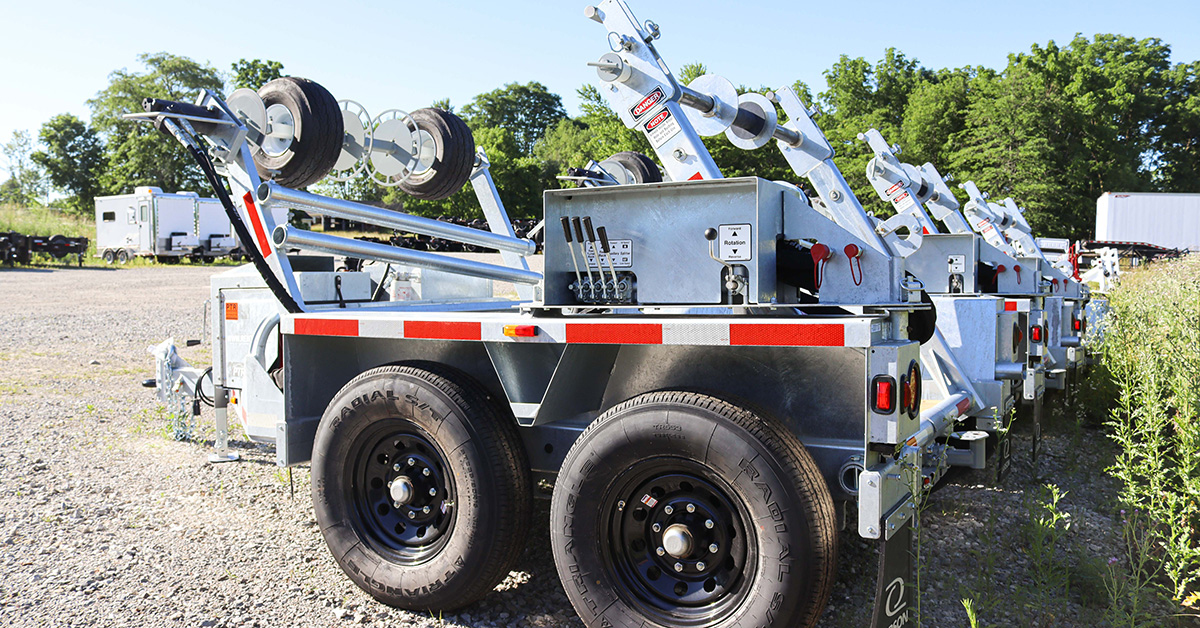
700 582
407 525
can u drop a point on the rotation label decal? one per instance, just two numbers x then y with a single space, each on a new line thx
647 104
662 127
649 500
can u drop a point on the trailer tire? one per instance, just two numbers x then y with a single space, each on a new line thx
122 256
457 529
316 140
109 257
643 169
667 463
453 156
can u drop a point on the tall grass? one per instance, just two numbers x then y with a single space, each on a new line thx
46 222
1150 359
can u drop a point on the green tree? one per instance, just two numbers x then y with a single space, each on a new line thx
255 73
26 184
135 153
526 110
73 159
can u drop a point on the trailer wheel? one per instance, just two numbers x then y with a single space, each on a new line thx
680 509
122 256
447 155
420 486
109 257
643 169
316 138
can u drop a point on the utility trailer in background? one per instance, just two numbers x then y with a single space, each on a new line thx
162 225
1171 221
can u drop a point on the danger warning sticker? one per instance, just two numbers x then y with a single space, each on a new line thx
647 104
660 128
903 202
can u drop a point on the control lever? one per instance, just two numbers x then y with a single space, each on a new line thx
733 283
608 257
587 225
583 251
566 223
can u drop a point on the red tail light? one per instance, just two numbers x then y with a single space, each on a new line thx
1078 325
1035 333
884 394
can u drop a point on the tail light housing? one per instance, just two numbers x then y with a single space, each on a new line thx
911 384
883 394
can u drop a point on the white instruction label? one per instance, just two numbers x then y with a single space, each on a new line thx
958 263
733 243
620 252
661 127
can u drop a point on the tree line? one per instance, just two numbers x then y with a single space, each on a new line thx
1055 128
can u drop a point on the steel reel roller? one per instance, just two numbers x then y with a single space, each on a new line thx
357 141
396 148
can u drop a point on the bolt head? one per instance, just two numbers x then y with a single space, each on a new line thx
668 509
691 507
678 566
425 472
412 515
708 523
412 461
656 527
425 510
700 565
396 467
432 492
660 551
712 549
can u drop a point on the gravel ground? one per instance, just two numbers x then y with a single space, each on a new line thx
104 521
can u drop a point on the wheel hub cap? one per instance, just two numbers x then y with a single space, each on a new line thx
401 490
678 541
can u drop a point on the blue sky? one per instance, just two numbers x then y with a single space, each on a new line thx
405 54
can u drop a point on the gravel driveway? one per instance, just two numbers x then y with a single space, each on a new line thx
104 521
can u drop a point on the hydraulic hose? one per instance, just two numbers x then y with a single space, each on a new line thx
243 234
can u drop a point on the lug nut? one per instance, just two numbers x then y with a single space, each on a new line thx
678 566
412 515
432 492
397 505
708 523
712 549
425 472
411 461
660 551
396 467
700 565
668 509
425 510
656 527
691 507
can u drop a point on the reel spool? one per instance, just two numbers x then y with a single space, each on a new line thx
397 147
356 143
758 104
725 97
249 108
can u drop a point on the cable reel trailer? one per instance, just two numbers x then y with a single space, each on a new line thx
706 373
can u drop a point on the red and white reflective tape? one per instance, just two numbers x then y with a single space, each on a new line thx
856 332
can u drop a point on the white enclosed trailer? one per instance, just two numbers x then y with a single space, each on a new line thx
213 228
1169 220
147 223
